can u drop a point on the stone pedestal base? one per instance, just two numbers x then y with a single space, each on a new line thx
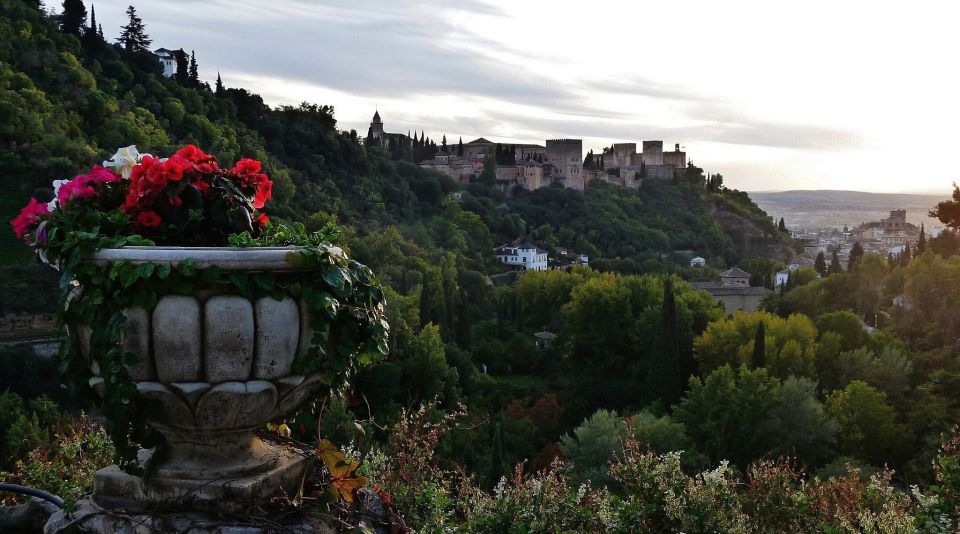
114 489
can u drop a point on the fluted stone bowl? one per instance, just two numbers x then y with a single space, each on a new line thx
217 366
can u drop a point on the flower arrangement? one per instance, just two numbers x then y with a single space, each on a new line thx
187 199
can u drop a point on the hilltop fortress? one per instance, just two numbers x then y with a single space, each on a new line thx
534 166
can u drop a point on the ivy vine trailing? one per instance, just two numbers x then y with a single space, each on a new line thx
345 299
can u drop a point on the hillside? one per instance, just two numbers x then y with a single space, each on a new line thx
69 102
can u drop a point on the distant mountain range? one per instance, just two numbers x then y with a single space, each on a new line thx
824 208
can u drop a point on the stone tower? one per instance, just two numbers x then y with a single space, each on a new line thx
376 126
566 156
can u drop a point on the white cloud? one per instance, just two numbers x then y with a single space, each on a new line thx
846 95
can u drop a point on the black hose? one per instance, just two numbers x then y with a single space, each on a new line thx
33 492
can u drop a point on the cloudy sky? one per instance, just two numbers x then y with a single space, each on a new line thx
804 95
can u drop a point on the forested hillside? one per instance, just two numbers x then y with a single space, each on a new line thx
621 359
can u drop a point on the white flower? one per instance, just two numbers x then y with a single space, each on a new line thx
52 205
124 160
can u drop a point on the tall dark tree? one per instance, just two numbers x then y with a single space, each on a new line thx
218 90
183 67
820 264
905 256
759 357
663 376
134 35
100 30
443 144
194 74
835 266
922 242
782 226
855 254
74 17
460 147
91 30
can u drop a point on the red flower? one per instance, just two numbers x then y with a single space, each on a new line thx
264 192
28 218
148 219
262 220
246 166
205 163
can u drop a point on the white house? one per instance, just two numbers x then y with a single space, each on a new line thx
781 278
524 256
168 58
698 262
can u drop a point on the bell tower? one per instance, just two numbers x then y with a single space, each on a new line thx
376 126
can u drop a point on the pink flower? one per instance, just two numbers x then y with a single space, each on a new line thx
82 186
28 217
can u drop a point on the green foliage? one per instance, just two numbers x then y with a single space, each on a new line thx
790 344
868 425
592 444
732 415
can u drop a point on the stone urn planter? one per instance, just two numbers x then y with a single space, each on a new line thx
216 367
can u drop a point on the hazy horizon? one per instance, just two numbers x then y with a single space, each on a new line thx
804 96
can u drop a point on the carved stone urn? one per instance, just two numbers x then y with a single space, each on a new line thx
216 368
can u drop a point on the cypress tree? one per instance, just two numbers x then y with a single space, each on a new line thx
460 147
183 67
663 377
134 36
855 254
194 74
91 30
905 256
425 299
758 359
821 264
922 242
835 266
782 226
100 30
218 90
74 17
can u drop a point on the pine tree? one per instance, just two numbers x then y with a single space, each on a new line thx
663 377
922 242
820 264
194 75
219 90
74 17
905 256
759 357
134 36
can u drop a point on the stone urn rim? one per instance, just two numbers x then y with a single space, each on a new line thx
225 258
